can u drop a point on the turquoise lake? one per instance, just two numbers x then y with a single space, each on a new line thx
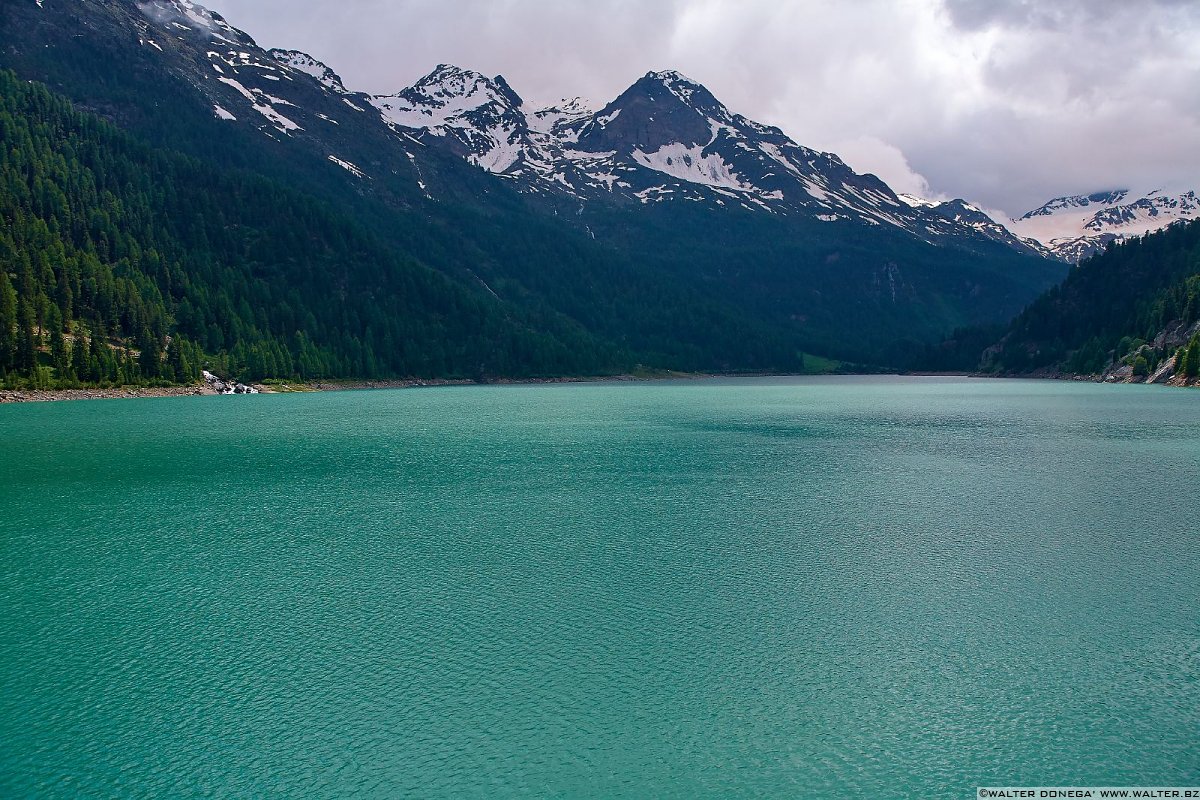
842 587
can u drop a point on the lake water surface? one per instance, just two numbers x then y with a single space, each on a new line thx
875 587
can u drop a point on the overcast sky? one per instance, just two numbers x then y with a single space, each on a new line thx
1004 102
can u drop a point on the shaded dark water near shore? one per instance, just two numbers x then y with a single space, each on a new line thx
779 587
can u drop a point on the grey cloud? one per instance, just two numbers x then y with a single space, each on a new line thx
975 15
1005 102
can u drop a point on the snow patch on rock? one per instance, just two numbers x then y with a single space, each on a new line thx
691 164
346 165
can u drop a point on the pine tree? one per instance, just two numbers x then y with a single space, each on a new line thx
1183 361
150 357
1190 359
1141 367
8 322
26 335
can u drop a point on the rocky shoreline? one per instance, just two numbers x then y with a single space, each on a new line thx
211 385
119 393
1165 375
211 389
214 385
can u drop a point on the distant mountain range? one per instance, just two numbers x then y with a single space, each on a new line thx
1077 227
665 139
664 225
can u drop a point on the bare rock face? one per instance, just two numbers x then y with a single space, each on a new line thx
1164 373
1175 335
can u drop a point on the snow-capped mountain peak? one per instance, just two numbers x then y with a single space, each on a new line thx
481 117
689 92
674 77
285 95
449 95
1071 202
967 215
918 202
665 138
658 110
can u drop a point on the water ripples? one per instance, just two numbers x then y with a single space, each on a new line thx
730 588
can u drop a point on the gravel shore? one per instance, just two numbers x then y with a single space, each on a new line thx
207 388
124 393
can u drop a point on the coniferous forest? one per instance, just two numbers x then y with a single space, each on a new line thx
124 264
1134 304
1112 307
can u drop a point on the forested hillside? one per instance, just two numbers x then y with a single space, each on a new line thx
124 263
1132 306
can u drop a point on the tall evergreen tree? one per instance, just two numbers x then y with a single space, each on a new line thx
8 322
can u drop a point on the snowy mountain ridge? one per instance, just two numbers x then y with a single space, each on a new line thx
1075 227
665 139
305 63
